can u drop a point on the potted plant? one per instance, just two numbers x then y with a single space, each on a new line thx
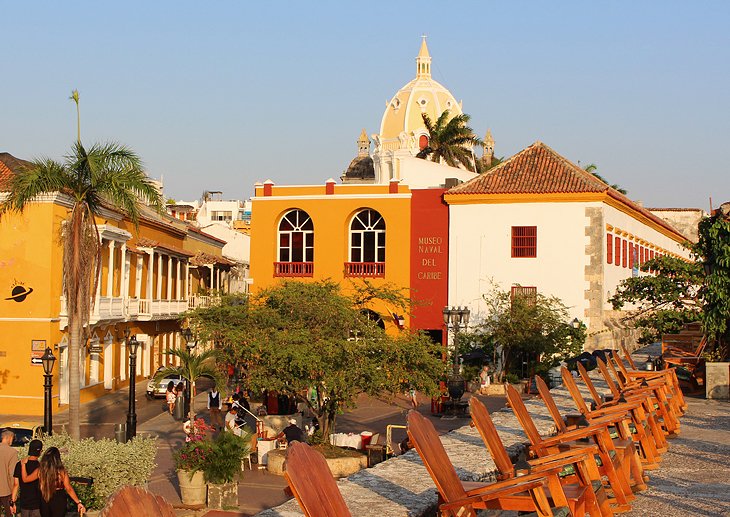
190 461
224 463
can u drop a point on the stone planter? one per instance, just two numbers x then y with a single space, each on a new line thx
717 380
340 467
192 488
223 496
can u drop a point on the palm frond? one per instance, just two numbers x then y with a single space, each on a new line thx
41 177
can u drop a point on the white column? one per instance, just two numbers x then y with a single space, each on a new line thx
169 277
138 277
212 276
110 271
187 280
150 273
177 281
159 278
124 286
218 280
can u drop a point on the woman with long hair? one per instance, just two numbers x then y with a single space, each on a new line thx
54 484
170 396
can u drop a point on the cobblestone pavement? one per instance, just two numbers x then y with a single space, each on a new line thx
694 476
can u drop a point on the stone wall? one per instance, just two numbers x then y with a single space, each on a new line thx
402 487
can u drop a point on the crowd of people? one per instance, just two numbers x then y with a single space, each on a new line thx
36 486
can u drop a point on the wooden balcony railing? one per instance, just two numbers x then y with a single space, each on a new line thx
365 269
293 268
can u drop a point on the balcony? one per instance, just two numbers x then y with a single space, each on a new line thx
365 269
202 301
117 308
299 269
167 308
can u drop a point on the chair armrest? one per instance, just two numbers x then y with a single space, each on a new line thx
583 432
496 490
613 409
565 457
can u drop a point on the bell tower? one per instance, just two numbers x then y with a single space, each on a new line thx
423 61
363 144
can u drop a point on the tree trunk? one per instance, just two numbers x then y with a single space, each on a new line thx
74 386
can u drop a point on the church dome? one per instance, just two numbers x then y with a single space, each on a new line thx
361 168
402 118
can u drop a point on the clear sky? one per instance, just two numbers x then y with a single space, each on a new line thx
219 95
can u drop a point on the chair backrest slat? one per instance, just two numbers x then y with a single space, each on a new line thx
549 401
312 483
432 452
589 383
523 416
607 377
628 357
569 382
488 432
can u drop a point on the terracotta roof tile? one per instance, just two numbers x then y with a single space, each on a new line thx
9 164
538 169
202 259
144 242
535 170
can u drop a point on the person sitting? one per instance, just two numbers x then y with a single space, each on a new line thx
232 421
292 433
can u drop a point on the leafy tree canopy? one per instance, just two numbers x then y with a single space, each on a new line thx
450 140
537 325
296 336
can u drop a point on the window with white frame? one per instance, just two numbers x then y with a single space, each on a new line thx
367 237
296 237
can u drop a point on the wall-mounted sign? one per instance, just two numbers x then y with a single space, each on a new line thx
19 292
37 349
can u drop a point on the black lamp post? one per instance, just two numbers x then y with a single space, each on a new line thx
48 359
190 342
133 344
455 319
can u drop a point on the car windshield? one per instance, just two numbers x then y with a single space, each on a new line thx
22 437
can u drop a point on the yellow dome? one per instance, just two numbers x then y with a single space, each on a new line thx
402 117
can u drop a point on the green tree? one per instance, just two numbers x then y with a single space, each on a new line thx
450 140
713 249
536 325
664 301
593 169
192 367
298 336
105 174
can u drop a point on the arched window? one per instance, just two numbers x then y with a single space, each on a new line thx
296 245
367 245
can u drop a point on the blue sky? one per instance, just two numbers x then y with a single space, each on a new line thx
219 95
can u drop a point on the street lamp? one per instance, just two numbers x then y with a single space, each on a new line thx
190 343
455 318
47 360
575 323
133 344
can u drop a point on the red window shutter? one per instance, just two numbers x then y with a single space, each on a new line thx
617 251
624 253
609 248
632 251
524 241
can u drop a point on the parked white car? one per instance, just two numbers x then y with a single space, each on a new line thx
158 389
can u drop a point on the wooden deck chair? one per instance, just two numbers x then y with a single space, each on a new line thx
619 421
656 394
611 463
657 431
311 481
463 499
625 381
669 374
134 500
643 428
577 466
690 364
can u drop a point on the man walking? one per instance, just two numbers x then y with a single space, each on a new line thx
8 460
29 502
214 408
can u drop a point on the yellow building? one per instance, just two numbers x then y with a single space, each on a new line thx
148 278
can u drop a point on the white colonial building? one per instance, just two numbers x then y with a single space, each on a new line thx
539 223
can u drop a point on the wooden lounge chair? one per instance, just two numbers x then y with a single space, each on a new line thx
690 365
643 425
669 374
134 500
600 403
611 463
656 394
621 422
463 499
577 466
311 482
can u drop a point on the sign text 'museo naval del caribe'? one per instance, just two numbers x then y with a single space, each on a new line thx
431 251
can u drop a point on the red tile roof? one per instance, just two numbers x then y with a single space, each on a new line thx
535 170
9 164
538 169
144 242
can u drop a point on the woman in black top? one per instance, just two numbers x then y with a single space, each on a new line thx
54 484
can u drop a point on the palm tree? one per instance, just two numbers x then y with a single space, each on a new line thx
105 174
450 140
593 169
192 367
